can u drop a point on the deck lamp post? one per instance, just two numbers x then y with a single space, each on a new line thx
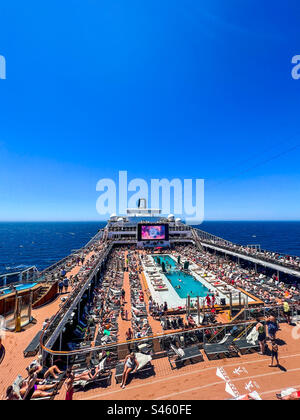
230 305
198 309
30 306
188 304
18 314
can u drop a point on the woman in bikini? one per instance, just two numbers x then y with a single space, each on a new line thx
131 365
88 375
30 388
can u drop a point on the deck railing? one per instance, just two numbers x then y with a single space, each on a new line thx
73 299
159 344
29 275
262 255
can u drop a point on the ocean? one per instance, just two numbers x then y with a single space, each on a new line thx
282 237
23 245
42 244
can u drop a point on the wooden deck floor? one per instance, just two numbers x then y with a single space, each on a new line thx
13 362
199 381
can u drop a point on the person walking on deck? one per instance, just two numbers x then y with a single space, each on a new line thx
60 287
66 284
274 354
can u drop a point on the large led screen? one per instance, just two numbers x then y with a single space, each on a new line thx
153 232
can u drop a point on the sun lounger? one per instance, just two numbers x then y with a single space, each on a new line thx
192 354
224 348
138 313
33 347
248 344
245 347
18 382
145 368
103 376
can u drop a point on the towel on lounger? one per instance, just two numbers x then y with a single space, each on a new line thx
252 337
142 359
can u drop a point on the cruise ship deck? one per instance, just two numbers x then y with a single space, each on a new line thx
189 346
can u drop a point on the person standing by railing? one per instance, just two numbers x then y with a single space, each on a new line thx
287 312
261 337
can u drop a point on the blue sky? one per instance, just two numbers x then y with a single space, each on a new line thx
160 88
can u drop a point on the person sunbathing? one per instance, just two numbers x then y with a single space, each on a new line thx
131 365
88 375
36 390
11 394
40 391
43 372
191 321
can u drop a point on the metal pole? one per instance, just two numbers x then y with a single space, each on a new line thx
198 309
18 314
60 340
230 304
240 299
30 306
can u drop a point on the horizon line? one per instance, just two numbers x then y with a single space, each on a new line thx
106 220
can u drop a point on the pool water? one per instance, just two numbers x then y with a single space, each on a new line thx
166 259
19 287
183 283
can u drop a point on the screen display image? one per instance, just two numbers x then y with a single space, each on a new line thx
153 232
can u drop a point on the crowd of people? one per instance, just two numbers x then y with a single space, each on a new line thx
98 321
37 383
269 289
139 315
274 257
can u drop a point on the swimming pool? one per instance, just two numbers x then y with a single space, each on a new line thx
19 287
183 283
